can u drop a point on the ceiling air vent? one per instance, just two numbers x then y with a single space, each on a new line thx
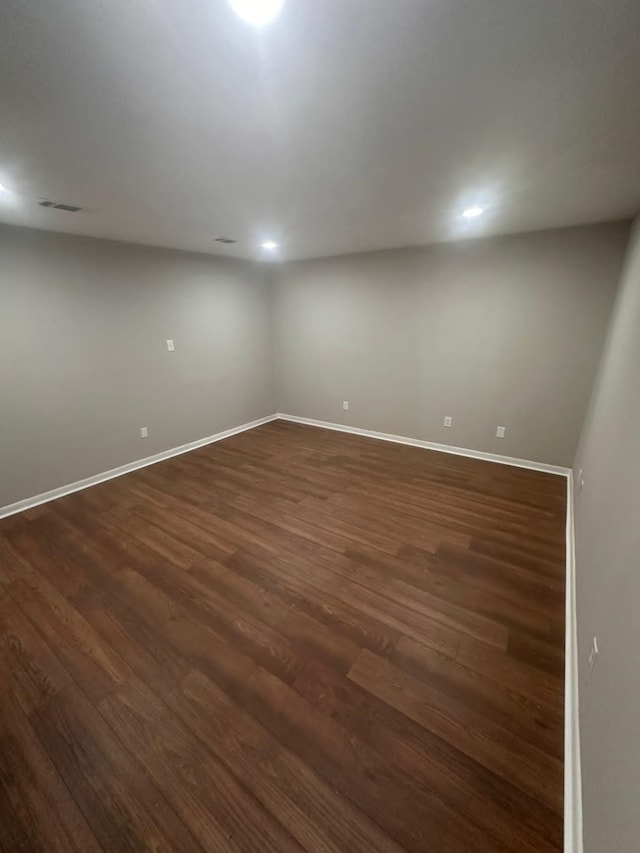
224 240
71 208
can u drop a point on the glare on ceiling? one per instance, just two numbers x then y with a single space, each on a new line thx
256 12
3 189
270 245
473 212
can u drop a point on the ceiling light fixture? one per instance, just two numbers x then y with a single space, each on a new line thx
256 12
269 245
473 212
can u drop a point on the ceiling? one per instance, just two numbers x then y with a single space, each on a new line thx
342 126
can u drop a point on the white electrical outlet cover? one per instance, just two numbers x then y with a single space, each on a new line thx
170 345
448 421
500 432
345 405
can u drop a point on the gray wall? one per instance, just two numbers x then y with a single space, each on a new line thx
607 515
496 332
504 331
83 360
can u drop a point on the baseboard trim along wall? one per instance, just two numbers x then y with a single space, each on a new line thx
430 445
572 769
573 840
69 488
53 494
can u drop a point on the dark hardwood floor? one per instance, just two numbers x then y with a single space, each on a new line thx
292 640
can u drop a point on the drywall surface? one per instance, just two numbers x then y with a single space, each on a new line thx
501 332
84 362
608 581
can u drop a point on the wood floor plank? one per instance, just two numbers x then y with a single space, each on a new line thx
218 810
182 527
317 815
37 674
540 653
310 637
417 569
533 770
198 643
118 798
153 538
436 764
417 818
497 577
37 811
80 649
251 636
48 552
316 600
518 675
291 640
396 525
143 647
414 594
12 564
385 607
541 564
533 722
449 574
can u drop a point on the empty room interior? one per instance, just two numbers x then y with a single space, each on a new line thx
319 421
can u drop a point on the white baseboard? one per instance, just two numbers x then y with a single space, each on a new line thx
53 494
573 842
430 445
69 488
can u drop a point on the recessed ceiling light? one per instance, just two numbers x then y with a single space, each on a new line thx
256 12
473 212
270 245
